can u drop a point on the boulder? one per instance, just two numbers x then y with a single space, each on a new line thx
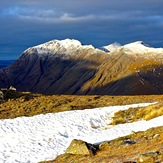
148 157
12 88
81 147
1 95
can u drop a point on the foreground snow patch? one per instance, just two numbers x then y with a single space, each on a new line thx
44 137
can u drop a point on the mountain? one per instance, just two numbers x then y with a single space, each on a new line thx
111 47
68 67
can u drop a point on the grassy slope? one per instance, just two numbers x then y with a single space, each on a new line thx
27 104
116 151
132 115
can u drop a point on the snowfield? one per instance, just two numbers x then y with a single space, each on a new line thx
44 137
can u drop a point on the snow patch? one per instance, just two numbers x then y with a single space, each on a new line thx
44 137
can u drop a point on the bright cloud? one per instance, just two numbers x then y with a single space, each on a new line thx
31 22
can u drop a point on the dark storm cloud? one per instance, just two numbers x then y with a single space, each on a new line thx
25 23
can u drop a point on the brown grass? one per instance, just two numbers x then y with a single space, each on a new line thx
27 104
135 114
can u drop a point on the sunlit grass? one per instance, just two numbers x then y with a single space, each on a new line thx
32 104
135 114
27 104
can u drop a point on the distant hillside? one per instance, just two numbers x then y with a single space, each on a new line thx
5 63
68 67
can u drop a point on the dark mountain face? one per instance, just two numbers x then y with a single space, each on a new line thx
67 67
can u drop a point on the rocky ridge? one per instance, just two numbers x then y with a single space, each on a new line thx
68 67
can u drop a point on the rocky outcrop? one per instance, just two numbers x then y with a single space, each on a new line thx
81 148
68 67
1 95
150 157
8 93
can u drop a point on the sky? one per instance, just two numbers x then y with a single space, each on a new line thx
26 23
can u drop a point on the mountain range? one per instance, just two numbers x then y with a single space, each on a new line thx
68 67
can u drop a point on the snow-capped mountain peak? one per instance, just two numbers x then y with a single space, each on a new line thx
139 47
67 46
111 47
65 43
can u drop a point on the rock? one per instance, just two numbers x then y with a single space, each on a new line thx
103 145
11 93
81 147
26 97
4 90
156 136
1 95
7 93
12 88
78 147
148 157
133 132
129 142
92 148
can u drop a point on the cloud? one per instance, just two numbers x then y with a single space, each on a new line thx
45 16
75 11
25 23
50 17
53 16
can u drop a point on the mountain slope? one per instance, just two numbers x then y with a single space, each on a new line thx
68 67
133 69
